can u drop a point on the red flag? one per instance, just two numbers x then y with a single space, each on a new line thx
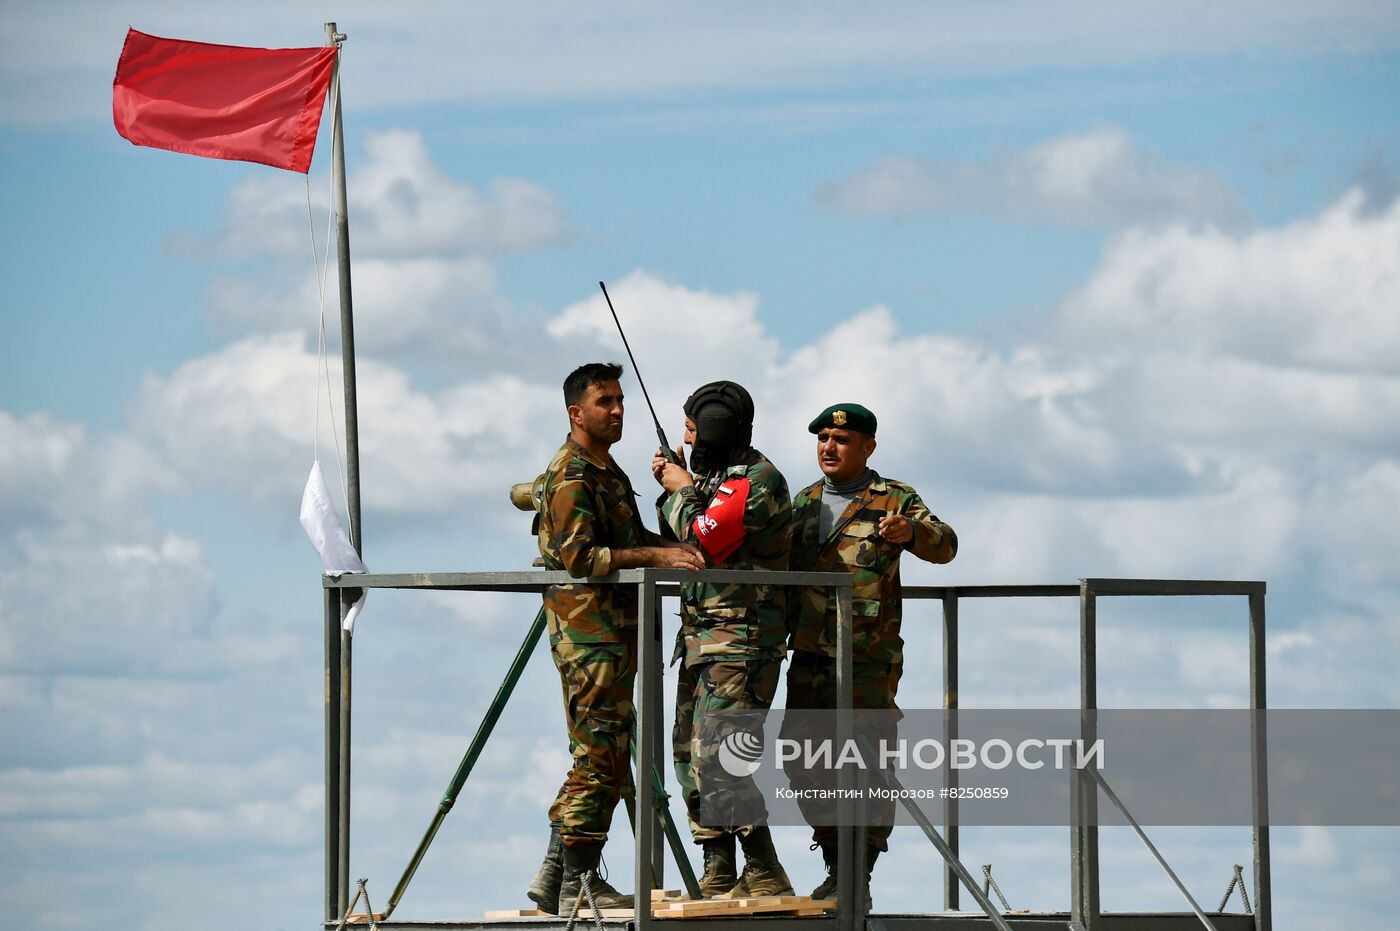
222 101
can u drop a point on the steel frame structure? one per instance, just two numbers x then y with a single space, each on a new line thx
653 584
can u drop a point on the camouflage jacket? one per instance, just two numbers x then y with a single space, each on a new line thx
735 622
855 545
587 508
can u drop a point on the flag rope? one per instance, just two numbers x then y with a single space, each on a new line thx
319 269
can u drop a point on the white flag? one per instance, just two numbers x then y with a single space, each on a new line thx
322 526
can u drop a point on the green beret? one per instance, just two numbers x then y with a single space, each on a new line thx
845 416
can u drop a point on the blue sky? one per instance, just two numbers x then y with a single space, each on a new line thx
1120 281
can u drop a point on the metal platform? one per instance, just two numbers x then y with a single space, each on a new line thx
936 921
1088 787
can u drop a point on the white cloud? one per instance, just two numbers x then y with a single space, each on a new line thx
671 323
971 413
893 186
129 738
1094 179
140 730
443 310
1097 179
1315 848
33 450
165 784
401 205
243 418
74 509
407 207
52 472
423 246
1225 406
1319 292
1357 527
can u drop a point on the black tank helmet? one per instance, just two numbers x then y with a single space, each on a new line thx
723 415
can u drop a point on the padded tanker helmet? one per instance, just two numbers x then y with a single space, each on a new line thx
723 415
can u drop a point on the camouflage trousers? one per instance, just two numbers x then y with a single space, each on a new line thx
597 686
811 684
716 802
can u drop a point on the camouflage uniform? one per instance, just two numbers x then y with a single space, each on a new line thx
587 510
855 545
731 643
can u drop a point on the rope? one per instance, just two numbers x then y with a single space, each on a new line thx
319 269
360 893
1237 880
588 892
988 883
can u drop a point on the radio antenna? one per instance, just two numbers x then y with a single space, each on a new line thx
660 434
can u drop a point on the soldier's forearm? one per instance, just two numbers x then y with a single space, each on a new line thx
638 557
934 541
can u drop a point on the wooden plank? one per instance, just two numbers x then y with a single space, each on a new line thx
701 907
786 904
771 903
513 913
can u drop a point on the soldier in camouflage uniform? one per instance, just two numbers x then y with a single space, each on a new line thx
732 638
589 526
853 520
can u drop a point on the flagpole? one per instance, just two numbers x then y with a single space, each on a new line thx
347 324
341 838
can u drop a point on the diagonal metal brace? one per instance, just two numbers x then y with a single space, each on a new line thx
941 845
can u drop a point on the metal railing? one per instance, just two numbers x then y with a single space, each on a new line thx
653 584
1084 833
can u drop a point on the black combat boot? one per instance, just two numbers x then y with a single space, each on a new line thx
581 860
544 890
827 889
763 874
871 855
720 872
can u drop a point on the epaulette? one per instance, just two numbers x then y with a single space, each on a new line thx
897 485
761 469
576 470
